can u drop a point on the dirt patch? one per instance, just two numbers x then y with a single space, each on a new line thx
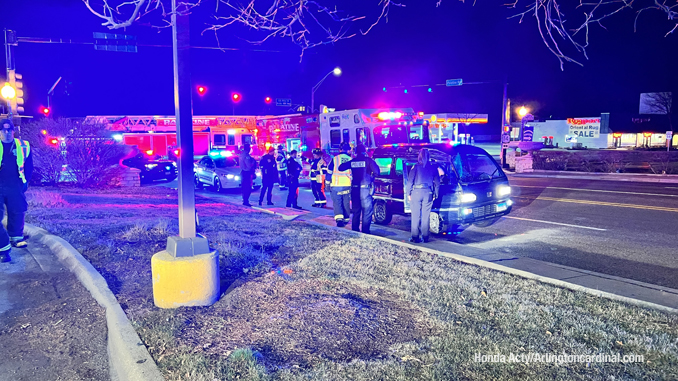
300 322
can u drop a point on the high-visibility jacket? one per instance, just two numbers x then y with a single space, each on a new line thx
339 178
281 161
318 170
23 149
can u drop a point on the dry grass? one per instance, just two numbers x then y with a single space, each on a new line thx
308 303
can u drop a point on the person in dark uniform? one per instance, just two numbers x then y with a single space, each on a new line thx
269 176
293 172
16 169
318 171
363 170
340 186
423 185
247 165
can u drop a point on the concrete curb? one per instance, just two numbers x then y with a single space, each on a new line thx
128 358
628 177
509 270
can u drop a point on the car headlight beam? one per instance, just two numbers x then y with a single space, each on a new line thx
503 190
468 197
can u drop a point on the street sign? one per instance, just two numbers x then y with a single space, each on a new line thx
283 102
669 135
115 42
505 138
454 82
528 133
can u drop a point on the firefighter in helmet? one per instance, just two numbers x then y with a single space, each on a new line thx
16 168
318 172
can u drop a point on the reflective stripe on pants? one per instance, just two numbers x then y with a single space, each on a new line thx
341 199
15 202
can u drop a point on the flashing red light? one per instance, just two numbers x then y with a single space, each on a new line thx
176 152
202 90
45 111
236 97
268 100
44 132
54 141
149 152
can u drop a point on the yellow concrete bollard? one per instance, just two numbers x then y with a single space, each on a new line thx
185 281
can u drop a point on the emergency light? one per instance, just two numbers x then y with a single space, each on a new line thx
389 115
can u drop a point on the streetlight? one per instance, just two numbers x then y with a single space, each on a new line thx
336 71
523 111
525 117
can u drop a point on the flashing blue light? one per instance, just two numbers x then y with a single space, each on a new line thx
405 91
430 90
384 89
214 153
304 148
395 145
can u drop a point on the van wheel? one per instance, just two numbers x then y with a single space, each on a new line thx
217 185
486 223
435 224
382 213
196 181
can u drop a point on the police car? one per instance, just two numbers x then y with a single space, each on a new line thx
220 170
474 189
152 169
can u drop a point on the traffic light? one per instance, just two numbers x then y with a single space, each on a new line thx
16 82
507 128
268 100
236 97
202 90
45 111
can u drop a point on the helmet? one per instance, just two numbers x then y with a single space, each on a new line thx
345 147
317 151
360 149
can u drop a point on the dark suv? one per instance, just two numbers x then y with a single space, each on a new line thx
474 189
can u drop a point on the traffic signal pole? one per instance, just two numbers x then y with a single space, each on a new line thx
186 273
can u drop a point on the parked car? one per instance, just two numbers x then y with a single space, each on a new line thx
152 169
219 172
474 189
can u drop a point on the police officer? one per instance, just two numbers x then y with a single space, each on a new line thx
293 172
247 165
281 162
363 170
340 186
318 171
423 185
16 168
269 176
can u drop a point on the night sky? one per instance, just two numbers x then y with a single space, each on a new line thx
420 44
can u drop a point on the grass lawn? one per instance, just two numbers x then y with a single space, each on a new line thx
302 302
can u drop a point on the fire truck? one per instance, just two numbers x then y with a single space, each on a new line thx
156 135
295 132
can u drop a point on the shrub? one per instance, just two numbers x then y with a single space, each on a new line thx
48 159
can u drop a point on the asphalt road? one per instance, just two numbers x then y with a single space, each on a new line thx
629 230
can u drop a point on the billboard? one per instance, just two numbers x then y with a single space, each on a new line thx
584 127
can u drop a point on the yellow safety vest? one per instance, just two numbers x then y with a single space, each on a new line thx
341 178
23 149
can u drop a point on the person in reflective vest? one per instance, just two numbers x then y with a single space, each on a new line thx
340 186
363 171
423 185
16 169
318 172
281 163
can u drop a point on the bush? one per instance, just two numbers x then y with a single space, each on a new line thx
48 159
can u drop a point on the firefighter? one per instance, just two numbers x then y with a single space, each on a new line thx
16 168
269 176
363 170
248 166
281 162
318 171
423 185
293 172
340 186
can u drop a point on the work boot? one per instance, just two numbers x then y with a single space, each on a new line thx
20 243
270 203
4 256
340 224
261 202
415 240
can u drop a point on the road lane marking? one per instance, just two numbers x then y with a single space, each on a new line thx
602 203
556 223
601 191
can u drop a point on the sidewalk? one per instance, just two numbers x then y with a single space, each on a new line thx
50 326
630 177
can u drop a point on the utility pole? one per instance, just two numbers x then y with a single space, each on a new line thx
186 273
